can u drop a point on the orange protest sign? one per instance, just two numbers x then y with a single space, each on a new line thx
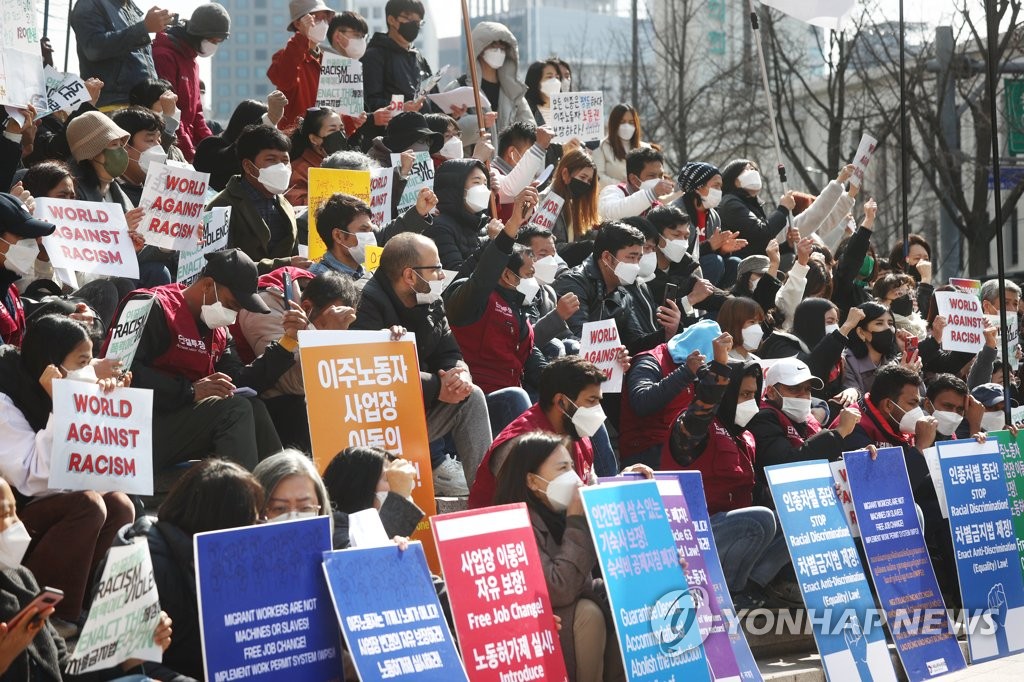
362 389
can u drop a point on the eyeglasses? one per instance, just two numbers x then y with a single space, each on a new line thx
438 269
278 510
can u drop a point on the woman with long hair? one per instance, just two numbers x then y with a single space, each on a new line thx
543 80
317 136
575 181
624 135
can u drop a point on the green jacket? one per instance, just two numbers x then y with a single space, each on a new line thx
248 231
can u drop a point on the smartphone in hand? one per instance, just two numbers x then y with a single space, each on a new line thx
47 597
287 290
910 347
672 292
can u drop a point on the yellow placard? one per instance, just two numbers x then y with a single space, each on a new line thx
325 182
373 257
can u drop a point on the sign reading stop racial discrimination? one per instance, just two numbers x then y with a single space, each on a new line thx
325 183
102 441
600 345
965 322
90 237
363 389
499 595
173 200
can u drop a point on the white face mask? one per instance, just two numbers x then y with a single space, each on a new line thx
797 409
86 374
649 184
648 264
561 489
494 57
993 421
21 256
478 197
208 48
551 86
154 154
14 543
627 272
829 328
452 149
544 269
566 84
949 422
587 420
752 336
528 287
216 315
910 419
745 411
626 131
356 48
713 198
291 516
277 178
435 291
750 179
675 249
318 32
363 240
381 495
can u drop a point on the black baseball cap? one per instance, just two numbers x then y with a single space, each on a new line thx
235 270
14 217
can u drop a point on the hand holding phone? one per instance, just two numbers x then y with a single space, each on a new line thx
287 290
47 597
671 292
909 348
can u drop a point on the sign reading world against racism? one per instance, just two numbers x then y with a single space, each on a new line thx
547 213
102 441
126 332
652 607
987 560
91 237
499 595
124 613
215 237
173 204
599 344
325 183
900 566
851 643
397 631
865 150
341 84
382 182
577 115
363 389
264 610
1013 469
421 175
965 323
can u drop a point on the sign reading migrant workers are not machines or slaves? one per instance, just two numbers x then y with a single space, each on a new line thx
173 201
90 237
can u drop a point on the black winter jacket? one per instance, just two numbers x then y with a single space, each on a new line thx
456 231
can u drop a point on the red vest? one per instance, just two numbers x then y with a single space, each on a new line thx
189 355
640 433
534 419
492 347
726 467
795 439
12 326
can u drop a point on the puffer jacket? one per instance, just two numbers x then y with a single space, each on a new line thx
456 231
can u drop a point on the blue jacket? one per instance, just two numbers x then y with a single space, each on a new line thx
113 45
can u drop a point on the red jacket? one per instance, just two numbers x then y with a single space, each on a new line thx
494 347
12 320
534 419
640 433
176 63
295 71
726 467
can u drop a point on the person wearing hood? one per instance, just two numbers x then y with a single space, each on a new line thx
19 250
645 183
391 65
741 210
318 135
701 185
463 201
295 70
405 135
497 56
711 436
875 342
176 54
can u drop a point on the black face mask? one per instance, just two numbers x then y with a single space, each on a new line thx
335 142
578 188
883 342
903 306
409 30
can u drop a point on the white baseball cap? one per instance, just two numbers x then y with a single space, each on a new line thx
791 372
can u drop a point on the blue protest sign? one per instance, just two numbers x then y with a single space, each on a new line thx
395 632
264 610
849 638
904 579
693 492
655 618
987 563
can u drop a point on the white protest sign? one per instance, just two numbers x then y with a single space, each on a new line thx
577 114
421 175
382 184
126 332
341 84
102 441
91 237
459 97
173 202
124 615
64 92
865 150
365 529
215 237
965 323
599 344
1012 339
547 213
21 63
931 458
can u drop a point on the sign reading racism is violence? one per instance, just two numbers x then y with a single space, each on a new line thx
102 441
215 238
126 332
363 389
421 175
965 322
341 84
173 201
600 344
91 237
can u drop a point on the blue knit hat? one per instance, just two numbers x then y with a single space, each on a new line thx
695 337
696 174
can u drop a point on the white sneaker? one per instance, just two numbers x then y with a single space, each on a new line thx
449 479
